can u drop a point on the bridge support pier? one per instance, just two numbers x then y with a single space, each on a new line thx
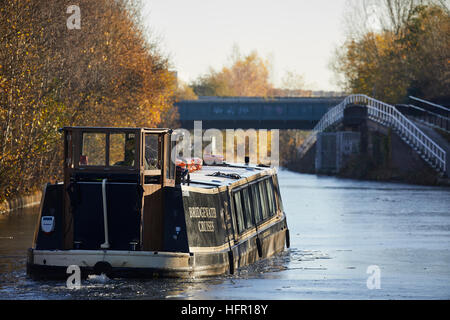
333 149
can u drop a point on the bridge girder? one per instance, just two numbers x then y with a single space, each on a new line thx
256 113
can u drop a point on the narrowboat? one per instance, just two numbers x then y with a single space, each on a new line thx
126 209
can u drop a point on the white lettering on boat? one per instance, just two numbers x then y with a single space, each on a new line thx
206 226
202 212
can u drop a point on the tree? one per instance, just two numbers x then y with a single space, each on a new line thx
105 74
245 76
409 55
185 92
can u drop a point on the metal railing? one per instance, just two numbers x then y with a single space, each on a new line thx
428 117
436 107
389 116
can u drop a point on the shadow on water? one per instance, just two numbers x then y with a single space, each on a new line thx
16 233
17 286
14 283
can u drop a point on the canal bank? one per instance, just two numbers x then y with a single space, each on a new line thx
363 168
21 202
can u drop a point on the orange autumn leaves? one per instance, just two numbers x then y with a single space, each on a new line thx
410 59
246 76
105 74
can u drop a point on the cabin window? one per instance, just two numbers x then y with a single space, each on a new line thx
270 197
93 149
172 145
256 202
152 154
277 193
238 211
248 213
122 149
264 201
69 150
170 166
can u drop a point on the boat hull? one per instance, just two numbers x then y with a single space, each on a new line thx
205 262
225 218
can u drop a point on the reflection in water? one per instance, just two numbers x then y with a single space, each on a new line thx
16 234
338 228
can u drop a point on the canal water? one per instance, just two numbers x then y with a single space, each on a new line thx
349 240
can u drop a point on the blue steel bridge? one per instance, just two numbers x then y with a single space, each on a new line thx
257 113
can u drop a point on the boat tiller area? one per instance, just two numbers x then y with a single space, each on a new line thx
105 245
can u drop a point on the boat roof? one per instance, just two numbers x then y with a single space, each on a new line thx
154 130
216 176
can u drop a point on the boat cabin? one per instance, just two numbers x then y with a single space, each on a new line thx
119 154
124 170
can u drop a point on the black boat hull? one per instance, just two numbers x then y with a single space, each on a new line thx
53 264
203 231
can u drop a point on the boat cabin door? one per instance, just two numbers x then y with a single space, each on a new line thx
158 172
102 188
114 180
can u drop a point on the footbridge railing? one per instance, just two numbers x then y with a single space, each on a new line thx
389 116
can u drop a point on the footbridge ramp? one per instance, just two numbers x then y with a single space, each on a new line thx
416 136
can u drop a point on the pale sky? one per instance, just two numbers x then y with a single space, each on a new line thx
296 35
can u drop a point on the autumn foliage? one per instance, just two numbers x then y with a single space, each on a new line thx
246 76
412 57
104 74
